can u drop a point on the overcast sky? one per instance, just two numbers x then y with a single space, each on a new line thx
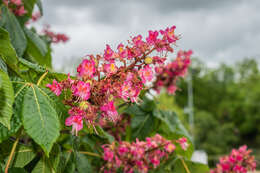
216 30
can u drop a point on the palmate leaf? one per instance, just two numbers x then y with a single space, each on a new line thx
23 156
39 4
83 164
46 165
37 49
40 119
15 30
172 121
6 100
7 52
16 118
142 123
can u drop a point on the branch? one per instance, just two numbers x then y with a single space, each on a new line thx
12 153
185 166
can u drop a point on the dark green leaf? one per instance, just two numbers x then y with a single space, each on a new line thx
16 170
172 121
39 4
23 156
7 52
15 30
37 41
6 100
83 164
40 119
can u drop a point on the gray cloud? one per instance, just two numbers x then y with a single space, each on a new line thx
223 30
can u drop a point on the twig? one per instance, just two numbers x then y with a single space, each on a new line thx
11 154
42 77
185 166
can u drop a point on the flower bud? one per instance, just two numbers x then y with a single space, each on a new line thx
148 60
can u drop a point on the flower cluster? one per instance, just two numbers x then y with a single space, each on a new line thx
116 74
239 161
169 74
54 37
15 6
139 155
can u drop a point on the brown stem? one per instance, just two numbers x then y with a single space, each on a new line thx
42 77
11 154
185 166
90 154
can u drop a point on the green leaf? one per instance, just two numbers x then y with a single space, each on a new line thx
33 66
7 52
104 134
67 163
3 66
23 156
172 121
181 166
15 30
16 170
37 41
16 118
57 104
40 119
39 4
6 100
46 165
37 50
83 163
43 166
142 123
15 126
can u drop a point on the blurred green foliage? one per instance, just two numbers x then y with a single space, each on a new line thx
226 105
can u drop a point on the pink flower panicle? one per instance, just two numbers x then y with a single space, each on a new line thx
238 161
55 37
167 75
16 7
140 155
118 74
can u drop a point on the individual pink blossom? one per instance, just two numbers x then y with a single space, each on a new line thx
169 34
55 87
86 69
110 68
76 122
121 51
171 89
183 142
152 38
146 74
109 111
81 90
137 41
108 54
108 154
20 11
36 16
170 147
